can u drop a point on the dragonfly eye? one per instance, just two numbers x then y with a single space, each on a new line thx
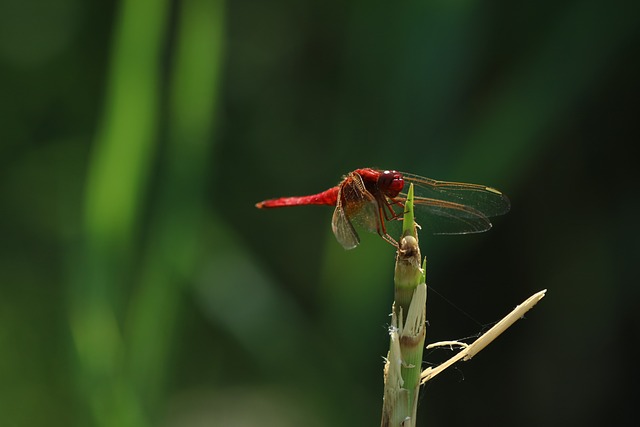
391 183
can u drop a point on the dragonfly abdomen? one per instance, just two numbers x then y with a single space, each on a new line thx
328 197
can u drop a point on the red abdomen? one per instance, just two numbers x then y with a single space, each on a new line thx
328 197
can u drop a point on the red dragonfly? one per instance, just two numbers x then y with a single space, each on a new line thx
371 197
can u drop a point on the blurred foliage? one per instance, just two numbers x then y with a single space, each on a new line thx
139 286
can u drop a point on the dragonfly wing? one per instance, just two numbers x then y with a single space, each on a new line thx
455 207
354 205
480 198
360 206
343 229
449 218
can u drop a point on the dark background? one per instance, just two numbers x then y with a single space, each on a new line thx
139 286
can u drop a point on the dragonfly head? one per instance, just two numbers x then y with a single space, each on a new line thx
390 183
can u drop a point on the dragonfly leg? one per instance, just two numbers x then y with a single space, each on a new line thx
389 213
382 229
401 216
389 239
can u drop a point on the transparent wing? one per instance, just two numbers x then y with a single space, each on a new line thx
354 204
453 207
343 229
441 217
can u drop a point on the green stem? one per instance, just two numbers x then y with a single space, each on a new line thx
404 361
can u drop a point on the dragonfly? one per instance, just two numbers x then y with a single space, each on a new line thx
374 198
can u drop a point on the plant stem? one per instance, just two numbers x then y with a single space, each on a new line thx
407 332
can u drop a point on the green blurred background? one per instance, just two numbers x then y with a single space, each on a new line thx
139 286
